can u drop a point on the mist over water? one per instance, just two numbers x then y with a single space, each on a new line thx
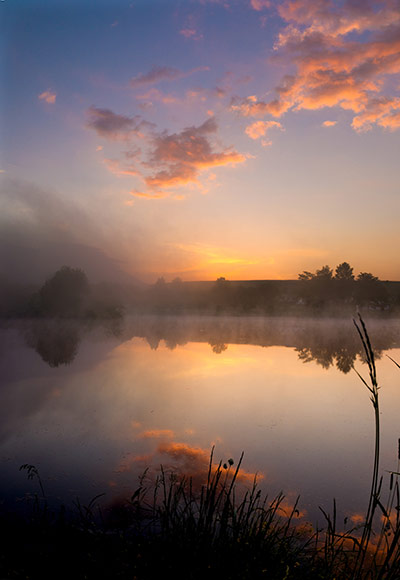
93 405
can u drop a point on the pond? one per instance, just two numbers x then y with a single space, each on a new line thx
92 406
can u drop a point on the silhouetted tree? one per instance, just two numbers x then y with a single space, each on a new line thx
344 272
218 347
222 295
367 278
324 273
306 276
160 294
344 279
370 290
64 294
317 287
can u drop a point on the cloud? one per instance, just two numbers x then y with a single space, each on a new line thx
343 54
259 129
48 96
112 126
117 168
162 73
329 123
184 155
163 160
260 4
337 19
154 94
191 33
157 434
156 75
252 107
383 111
186 461
153 194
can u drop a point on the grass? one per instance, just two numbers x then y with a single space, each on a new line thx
216 530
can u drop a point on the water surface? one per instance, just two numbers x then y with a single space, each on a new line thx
92 406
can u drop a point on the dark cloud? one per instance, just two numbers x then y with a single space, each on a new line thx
112 126
156 75
162 73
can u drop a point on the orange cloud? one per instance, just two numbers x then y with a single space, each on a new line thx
329 123
289 508
260 128
182 459
48 96
381 111
164 160
194 462
157 434
115 167
357 518
252 107
343 57
183 155
149 194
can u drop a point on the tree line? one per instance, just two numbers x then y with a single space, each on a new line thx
326 285
68 294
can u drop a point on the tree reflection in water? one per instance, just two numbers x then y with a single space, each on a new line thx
327 342
56 341
325 357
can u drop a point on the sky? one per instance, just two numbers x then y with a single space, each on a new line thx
250 139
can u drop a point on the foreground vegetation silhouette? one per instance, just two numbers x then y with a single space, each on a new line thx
219 529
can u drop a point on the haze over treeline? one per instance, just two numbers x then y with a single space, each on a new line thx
69 294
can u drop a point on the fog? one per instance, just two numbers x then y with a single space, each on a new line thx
40 232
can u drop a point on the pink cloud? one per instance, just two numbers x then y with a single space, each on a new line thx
191 33
48 96
154 94
260 4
